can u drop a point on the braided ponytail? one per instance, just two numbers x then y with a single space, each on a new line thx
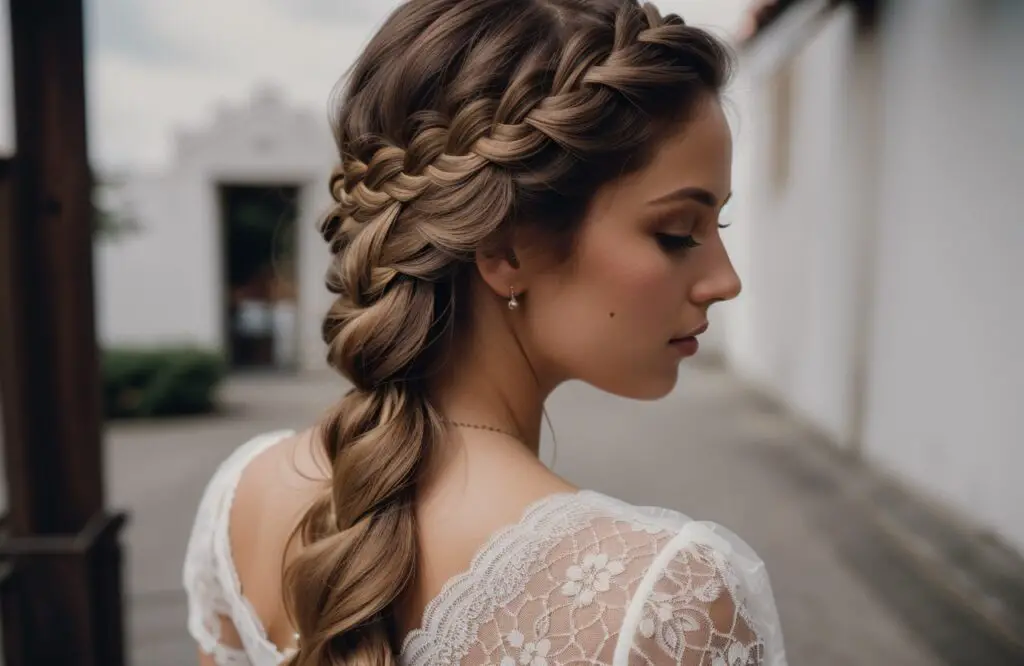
462 120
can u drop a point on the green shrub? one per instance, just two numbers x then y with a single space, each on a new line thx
159 382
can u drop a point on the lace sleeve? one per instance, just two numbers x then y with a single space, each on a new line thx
704 599
615 592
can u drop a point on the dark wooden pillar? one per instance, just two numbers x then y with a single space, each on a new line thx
61 602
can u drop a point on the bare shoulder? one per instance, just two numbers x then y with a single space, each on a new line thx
273 493
286 473
486 487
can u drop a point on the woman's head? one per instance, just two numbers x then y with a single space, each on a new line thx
570 151
646 265
534 132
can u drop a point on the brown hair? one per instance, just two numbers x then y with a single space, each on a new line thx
462 120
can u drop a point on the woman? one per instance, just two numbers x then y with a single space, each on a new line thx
528 193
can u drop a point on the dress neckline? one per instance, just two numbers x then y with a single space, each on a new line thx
534 523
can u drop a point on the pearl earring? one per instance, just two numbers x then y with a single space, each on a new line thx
512 302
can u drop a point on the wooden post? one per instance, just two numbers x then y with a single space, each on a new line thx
61 602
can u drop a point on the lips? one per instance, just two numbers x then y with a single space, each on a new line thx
692 334
699 330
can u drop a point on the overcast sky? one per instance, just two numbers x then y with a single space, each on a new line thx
156 65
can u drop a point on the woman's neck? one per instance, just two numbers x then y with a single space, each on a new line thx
490 381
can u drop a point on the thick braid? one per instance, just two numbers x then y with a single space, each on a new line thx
463 118
360 538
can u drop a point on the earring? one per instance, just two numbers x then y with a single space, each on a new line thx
512 302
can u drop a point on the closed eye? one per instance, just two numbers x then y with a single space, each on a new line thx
674 243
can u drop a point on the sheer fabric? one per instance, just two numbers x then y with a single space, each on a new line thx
582 579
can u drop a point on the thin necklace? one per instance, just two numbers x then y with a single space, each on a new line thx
477 426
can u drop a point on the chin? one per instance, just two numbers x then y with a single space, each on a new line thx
647 387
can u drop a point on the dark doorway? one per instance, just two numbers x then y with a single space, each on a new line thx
258 225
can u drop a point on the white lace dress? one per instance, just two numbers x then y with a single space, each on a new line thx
582 579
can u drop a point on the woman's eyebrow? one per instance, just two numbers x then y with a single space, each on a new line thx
698 194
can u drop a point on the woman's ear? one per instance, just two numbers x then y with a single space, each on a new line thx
501 271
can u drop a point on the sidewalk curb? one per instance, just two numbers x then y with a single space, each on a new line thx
956 585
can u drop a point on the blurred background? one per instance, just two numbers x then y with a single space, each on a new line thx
857 414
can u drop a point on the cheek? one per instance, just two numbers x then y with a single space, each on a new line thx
618 301
641 286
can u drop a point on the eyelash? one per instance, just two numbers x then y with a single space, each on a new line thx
674 243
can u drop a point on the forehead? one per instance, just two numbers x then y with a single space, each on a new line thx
698 154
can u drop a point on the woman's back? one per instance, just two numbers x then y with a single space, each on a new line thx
567 577
261 492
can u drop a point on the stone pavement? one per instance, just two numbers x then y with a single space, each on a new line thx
713 449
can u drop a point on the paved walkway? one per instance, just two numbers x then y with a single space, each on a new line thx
712 449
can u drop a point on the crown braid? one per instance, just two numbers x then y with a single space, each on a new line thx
508 131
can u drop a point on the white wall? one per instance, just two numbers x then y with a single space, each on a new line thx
882 299
946 386
791 331
164 283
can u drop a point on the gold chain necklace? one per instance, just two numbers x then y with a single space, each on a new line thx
477 426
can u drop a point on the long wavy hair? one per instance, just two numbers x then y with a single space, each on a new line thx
462 121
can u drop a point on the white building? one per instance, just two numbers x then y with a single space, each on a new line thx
880 236
168 282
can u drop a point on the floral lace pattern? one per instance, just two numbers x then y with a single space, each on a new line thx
582 578
594 576
585 578
532 653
